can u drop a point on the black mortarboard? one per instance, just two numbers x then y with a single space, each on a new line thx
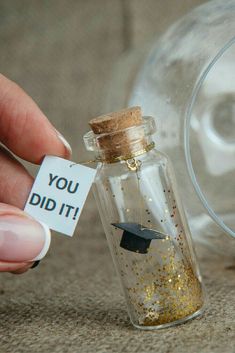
136 237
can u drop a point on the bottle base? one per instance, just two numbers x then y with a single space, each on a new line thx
172 323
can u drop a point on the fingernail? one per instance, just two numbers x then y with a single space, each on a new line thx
47 242
22 239
65 143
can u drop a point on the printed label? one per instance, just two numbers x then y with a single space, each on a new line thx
59 193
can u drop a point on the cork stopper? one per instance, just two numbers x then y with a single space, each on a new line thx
116 121
115 139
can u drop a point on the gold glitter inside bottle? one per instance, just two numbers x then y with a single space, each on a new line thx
144 221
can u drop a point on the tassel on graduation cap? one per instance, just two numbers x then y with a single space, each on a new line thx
136 237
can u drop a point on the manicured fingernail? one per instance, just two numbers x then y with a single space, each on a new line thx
22 239
65 143
47 242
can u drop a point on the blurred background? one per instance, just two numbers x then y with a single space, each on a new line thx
66 55
63 53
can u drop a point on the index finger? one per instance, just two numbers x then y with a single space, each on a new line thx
24 129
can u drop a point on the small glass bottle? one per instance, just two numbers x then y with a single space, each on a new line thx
144 221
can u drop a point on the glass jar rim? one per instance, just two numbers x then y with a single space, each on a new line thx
187 151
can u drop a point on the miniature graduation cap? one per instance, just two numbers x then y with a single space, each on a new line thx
136 237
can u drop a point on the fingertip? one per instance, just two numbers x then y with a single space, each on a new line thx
14 267
22 269
22 238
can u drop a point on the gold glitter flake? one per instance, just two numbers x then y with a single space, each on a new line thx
173 292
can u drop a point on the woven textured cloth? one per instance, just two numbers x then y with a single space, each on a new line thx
63 53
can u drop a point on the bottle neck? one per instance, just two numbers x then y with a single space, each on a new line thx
123 144
129 153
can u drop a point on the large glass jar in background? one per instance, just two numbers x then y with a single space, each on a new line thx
188 84
145 225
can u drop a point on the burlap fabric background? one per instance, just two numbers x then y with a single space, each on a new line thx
63 53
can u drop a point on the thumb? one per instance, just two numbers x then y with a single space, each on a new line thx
22 239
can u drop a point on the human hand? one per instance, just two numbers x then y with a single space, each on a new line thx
27 133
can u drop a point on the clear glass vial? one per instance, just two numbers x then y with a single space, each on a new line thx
144 221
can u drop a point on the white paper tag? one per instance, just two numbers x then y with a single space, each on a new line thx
59 193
